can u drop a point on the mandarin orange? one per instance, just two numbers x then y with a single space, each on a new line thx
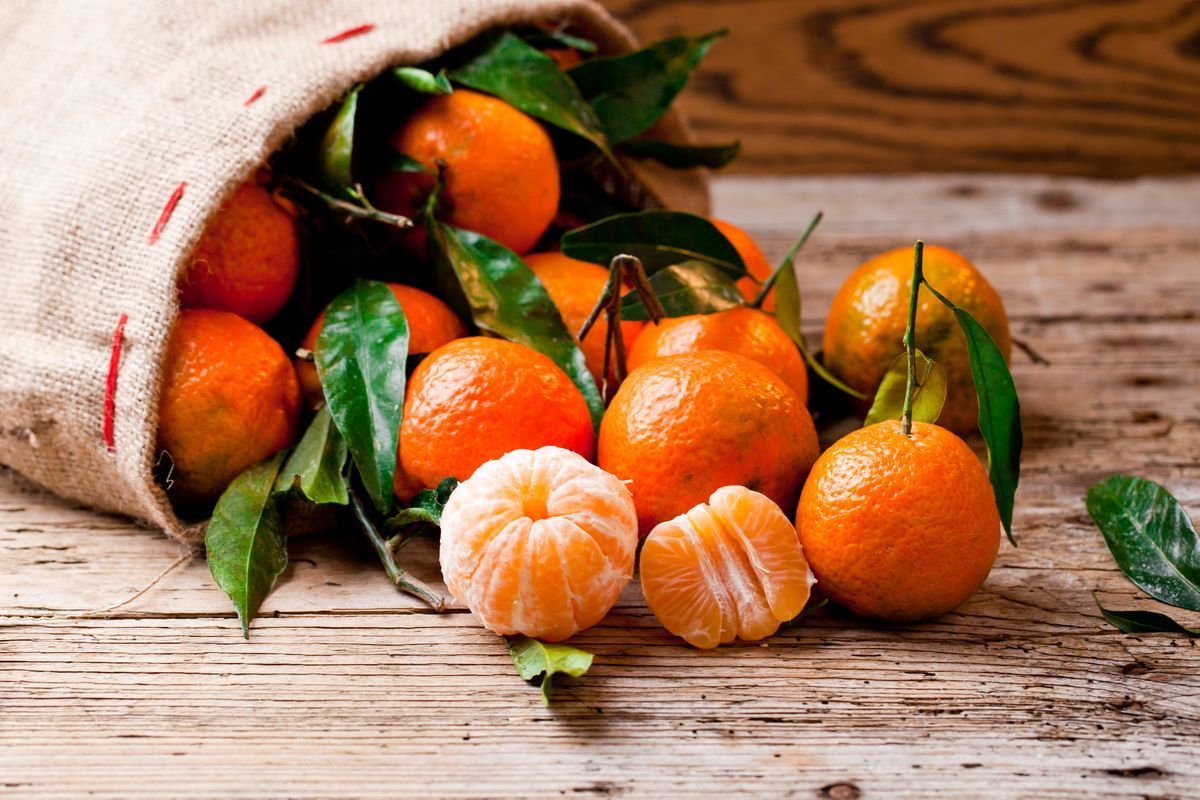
752 255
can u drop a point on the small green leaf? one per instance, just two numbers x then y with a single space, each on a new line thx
692 287
929 392
424 81
557 40
403 162
506 298
658 238
682 156
533 658
245 544
335 163
999 410
315 467
528 79
1144 622
630 92
425 509
1150 537
360 356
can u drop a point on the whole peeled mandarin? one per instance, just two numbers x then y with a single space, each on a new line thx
681 427
247 258
476 399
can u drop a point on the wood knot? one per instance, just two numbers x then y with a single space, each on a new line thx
840 791
1055 200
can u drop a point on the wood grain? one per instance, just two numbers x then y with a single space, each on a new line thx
1105 88
349 689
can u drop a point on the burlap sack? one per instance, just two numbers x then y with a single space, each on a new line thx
110 108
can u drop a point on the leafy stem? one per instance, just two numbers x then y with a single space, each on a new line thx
788 260
621 270
362 210
910 347
383 548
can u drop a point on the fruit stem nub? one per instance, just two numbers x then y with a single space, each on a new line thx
910 347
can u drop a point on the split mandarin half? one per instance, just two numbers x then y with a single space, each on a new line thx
742 330
681 427
539 542
729 568
431 324
477 398
247 259
899 527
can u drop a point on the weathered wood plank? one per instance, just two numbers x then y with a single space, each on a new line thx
1107 89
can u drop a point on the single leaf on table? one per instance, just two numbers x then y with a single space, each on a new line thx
506 298
682 156
1144 622
360 357
657 238
692 287
529 80
999 410
335 161
316 466
1150 537
630 92
533 658
929 391
423 81
425 508
245 543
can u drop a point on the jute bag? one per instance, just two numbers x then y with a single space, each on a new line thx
125 125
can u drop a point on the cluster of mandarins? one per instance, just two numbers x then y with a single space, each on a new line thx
707 449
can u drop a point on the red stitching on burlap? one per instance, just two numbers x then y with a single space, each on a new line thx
349 34
110 387
168 209
259 92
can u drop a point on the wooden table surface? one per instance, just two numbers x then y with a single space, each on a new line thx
348 689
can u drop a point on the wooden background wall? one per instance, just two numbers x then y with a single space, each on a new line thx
1106 88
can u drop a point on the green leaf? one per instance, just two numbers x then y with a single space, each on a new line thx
630 92
424 81
403 162
692 287
556 39
335 162
533 658
683 156
528 79
1150 537
426 507
360 356
999 410
245 544
315 466
1144 622
506 298
929 392
658 238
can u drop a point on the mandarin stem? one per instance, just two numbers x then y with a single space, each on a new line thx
910 347
399 576
787 262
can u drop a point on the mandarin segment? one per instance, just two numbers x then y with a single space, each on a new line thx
477 398
730 568
539 542
681 427
899 527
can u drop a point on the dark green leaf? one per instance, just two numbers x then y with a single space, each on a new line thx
683 156
423 81
929 393
505 298
337 147
360 356
402 162
999 410
315 466
630 92
1150 537
692 287
245 544
525 77
658 238
1145 622
425 509
533 658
